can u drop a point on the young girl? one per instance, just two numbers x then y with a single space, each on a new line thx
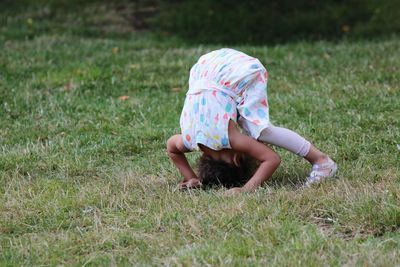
227 88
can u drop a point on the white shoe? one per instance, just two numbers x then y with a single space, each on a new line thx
321 172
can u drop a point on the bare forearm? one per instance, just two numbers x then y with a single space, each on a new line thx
176 150
264 171
183 166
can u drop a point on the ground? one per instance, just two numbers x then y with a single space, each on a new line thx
85 180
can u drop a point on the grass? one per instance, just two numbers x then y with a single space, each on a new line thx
84 178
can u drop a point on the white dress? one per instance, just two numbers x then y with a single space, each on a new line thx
224 85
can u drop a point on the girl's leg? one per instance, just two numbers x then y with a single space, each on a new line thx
323 166
292 142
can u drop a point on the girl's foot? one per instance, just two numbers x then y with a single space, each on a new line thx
321 171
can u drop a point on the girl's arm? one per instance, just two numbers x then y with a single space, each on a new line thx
176 151
268 158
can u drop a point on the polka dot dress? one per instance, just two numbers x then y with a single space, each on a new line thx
224 85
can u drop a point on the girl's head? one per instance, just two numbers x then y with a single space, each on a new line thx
228 169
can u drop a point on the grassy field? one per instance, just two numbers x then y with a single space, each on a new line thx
86 109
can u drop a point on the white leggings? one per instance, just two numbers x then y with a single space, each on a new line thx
286 139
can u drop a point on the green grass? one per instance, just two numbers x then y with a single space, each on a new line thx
85 180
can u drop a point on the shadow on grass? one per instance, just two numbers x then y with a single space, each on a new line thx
193 22
259 22
291 180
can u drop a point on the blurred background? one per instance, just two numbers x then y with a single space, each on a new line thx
206 21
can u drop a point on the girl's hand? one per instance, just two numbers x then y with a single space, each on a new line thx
190 184
234 191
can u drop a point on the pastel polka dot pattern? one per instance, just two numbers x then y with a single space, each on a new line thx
254 66
264 102
196 107
261 113
228 107
247 111
224 85
224 141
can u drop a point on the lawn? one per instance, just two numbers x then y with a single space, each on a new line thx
84 178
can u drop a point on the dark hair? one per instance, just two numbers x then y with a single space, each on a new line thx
218 172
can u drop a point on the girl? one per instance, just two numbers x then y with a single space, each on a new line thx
227 88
